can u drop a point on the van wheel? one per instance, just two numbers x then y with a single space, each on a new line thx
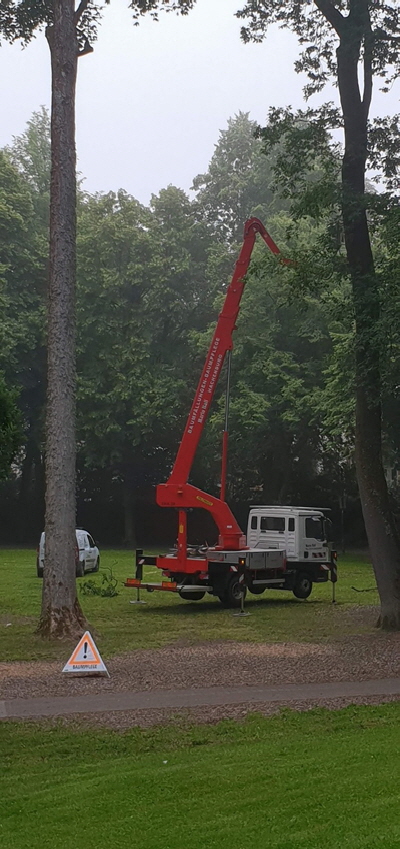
302 586
39 569
80 568
232 594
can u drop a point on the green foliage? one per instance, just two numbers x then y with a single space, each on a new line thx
107 588
22 273
152 7
237 183
319 24
20 19
30 153
315 196
150 285
10 428
141 291
281 441
23 262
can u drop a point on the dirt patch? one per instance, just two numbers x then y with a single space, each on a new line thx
8 620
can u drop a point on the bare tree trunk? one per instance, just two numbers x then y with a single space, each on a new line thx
381 531
61 614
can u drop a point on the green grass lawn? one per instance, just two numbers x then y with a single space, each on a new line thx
120 627
293 781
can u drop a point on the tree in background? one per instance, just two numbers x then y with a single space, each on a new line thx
67 31
142 292
10 428
237 183
30 153
349 41
23 265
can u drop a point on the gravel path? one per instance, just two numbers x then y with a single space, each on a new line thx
123 720
195 697
214 664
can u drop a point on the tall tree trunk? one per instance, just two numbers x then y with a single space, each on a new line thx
61 614
382 535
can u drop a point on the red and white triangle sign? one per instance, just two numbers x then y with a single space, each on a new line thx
86 658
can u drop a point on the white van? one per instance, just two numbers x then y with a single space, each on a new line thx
87 555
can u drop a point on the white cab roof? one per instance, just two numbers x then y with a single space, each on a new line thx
275 508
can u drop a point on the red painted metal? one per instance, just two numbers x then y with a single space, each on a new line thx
176 492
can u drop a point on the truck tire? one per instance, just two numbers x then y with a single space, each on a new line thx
302 585
231 596
188 596
39 569
257 590
80 568
97 566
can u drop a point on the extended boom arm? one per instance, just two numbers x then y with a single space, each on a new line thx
177 492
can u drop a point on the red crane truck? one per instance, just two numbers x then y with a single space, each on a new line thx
232 566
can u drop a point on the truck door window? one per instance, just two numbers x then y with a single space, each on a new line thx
314 528
254 523
272 523
328 530
291 524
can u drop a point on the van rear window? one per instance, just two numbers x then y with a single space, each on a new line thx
254 523
272 523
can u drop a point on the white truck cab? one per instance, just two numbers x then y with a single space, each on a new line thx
302 531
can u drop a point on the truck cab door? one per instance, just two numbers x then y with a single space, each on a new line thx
314 537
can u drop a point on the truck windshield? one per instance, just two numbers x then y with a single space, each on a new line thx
315 528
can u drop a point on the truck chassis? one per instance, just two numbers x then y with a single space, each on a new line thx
230 574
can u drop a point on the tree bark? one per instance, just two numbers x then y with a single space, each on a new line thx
381 531
61 615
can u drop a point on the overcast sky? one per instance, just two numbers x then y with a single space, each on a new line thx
151 99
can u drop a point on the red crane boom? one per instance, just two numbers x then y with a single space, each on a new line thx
177 492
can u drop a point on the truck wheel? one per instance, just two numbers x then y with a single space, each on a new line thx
191 596
256 590
232 593
80 568
97 566
39 569
302 586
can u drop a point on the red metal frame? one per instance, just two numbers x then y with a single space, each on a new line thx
177 492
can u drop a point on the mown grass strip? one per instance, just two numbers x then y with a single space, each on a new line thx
166 618
295 780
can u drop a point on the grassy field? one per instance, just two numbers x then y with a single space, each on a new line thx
120 627
293 781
